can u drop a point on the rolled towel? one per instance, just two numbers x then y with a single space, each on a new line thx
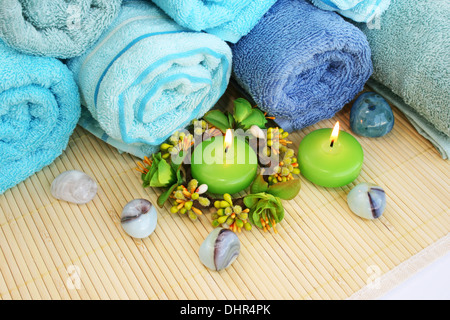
411 57
357 10
302 64
39 109
229 20
147 77
55 28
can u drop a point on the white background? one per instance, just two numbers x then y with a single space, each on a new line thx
431 283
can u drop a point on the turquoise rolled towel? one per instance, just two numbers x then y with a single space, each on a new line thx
411 58
39 109
228 19
55 28
357 10
147 76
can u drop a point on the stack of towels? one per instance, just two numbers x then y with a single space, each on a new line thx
411 55
132 72
147 76
39 99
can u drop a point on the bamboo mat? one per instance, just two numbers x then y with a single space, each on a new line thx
50 249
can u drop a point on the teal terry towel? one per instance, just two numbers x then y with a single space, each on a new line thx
357 10
55 28
411 57
147 77
230 20
39 109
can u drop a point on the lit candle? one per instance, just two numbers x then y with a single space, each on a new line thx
330 158
226 165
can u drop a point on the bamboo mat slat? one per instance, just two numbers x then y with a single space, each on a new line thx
51 249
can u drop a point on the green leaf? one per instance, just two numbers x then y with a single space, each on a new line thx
145 182
273 212
230 120
256 219
280 211
147 178
263 204
242 109
165 195
160 173
177 169
217 119
259 185
251 200
256 117
166 176
285 190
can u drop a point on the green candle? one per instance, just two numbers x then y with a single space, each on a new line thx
330 159
225 168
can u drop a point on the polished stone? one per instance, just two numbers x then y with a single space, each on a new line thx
371 116
367 200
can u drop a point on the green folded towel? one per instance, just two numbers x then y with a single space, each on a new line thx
411 56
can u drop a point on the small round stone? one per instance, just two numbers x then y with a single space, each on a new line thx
220 249
367 200
139 218
371 116
74 186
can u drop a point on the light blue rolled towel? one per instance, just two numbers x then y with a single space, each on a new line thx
39 109
227 19
55 28
147 76
411 58
357 10
302 64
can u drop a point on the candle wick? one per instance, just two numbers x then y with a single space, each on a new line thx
332 143
226 149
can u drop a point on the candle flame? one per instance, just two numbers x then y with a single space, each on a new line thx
228 139
334 134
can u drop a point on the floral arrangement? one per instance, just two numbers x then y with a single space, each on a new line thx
262 206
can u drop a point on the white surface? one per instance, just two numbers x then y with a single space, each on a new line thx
431 283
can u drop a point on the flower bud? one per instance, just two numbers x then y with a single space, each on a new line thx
257 132
222 219
202 189
188 205
227 198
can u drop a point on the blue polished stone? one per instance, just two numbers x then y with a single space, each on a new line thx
371 116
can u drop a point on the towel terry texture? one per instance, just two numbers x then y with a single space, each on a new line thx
147 76
440 140
55 28
93 127
227 19
411 57
39 109
302 64
357 10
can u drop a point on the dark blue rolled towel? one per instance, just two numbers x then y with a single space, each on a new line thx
302 64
